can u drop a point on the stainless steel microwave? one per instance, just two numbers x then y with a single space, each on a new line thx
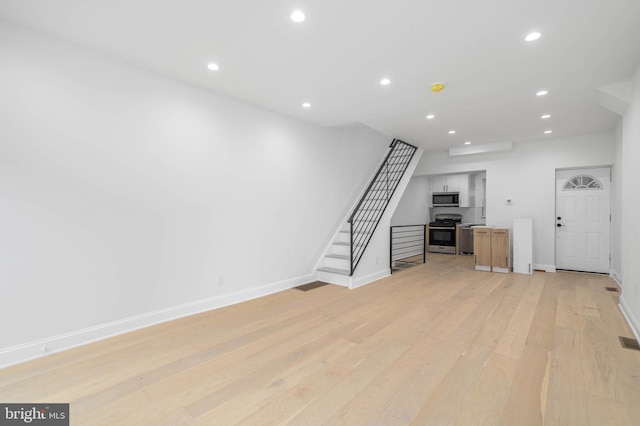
445 199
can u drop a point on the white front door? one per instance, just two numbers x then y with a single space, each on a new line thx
583 219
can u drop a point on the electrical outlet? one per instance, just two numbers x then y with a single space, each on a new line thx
220 280
377 260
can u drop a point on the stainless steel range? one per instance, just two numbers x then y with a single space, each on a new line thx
442 233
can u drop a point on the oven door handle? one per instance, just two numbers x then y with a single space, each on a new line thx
442 227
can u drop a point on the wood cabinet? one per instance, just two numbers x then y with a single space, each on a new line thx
491 249
482 248
500 250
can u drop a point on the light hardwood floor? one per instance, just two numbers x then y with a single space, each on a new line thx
436 344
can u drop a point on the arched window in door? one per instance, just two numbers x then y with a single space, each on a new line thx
582 182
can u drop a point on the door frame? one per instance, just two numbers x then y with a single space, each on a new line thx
555 210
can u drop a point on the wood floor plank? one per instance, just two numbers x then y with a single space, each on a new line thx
486 402
369 400
437 343
241 406
605 412
514 337
357 379
407 402
567 315
567 394
541 332
219 371
527 400
446 403
231 404
598 360
286 404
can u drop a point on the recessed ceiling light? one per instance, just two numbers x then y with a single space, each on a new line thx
306 105
542 92
298 16
213 67
430 117
532 36
546 132
385 81
452 132
467 143
545 116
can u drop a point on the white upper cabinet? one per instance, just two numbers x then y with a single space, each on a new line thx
438 183
448 183
463 190
479 188
451 183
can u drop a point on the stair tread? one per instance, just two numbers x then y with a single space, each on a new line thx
334 270
344 243
338 256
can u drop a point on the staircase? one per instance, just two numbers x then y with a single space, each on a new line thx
352 240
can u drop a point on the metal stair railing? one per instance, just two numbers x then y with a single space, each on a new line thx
407 246
369 210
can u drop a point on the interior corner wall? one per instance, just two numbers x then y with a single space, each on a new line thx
630 297
123 192
617 185
526 175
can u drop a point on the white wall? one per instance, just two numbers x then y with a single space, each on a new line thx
413 208
527 176
124 193
630 298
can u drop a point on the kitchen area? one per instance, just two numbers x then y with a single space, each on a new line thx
453 207
457 203
457 226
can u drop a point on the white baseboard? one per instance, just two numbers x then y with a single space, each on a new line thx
546 268
331 278
360 281
43 347
616 277
632 319
352 282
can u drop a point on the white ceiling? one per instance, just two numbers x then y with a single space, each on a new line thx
336 58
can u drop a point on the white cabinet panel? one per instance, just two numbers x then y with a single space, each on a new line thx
451 183
463 190
438 183
523 245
